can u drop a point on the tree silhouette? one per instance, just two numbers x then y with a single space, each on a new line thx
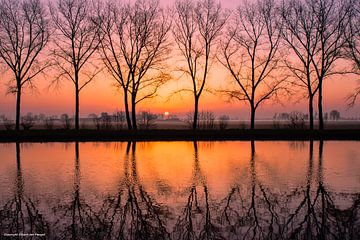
352 35
23 35
301 37
134 50
76 39
196 28
250 54
330 23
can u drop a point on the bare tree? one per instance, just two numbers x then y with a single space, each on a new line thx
196 29
352 35
76 39
330 21
23 35
302 39
134 50
250 53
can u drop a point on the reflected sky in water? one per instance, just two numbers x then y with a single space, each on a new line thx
181 190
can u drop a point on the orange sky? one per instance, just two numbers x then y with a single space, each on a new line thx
102 96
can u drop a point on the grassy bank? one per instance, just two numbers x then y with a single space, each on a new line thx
177 135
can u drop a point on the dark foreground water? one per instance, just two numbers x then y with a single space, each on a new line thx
180 190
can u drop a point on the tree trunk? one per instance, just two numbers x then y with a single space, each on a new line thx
77 151
311 151
18 105
127 113
252 119
76 107
133 112
321 119
196 113
311 112
252 149
18 162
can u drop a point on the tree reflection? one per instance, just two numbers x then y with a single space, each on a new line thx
307 212
317 216
254 216
20 214
196 221
78 220
132 213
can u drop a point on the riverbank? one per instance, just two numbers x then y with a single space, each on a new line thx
177 135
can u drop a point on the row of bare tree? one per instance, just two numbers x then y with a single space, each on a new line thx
268 47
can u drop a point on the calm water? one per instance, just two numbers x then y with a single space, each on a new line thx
181 190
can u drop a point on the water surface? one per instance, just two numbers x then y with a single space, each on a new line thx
181 190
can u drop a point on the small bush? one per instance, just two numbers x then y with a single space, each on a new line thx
8 124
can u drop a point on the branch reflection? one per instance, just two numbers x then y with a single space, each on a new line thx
196 221
132 213
77 218
20 214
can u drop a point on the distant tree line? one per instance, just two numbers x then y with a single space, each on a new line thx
271 49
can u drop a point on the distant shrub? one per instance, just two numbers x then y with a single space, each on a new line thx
27 121
223 121
66 121
105 121
146 120
119 119
334 115
49 123
206 120
296 120
189 119
8 124
276 124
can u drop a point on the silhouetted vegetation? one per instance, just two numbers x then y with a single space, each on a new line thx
270 49
197 26
24 32
134 49
250 52
76 42
223 121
